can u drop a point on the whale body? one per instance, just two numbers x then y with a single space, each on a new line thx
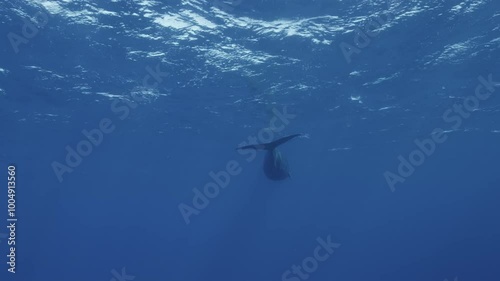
275 165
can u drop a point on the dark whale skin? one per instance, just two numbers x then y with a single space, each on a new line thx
275 164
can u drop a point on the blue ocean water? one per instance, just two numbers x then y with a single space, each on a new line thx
120 120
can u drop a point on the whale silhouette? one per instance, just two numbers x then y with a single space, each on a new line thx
275 164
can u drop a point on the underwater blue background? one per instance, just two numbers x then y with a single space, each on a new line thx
226 68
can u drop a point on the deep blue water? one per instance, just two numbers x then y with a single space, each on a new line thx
118 114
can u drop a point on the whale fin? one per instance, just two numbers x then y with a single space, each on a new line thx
269 145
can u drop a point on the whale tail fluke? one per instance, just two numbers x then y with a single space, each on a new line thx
269 145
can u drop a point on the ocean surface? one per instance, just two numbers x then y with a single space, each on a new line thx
120 119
